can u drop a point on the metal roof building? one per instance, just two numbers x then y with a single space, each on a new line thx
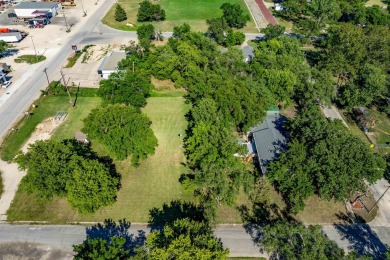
110 63
27 9
269 138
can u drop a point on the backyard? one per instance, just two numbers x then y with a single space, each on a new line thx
195 13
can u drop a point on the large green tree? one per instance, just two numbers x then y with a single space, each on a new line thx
124 130
149 12
105 241
48 167
130 88
234 15
91 187
332 162
284 240
184 239
68 169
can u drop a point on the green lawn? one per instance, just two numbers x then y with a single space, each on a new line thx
30 59
193 12
45 108
154 182
75 116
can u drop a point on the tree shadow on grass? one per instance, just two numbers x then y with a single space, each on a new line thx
363 240
175 210
110 229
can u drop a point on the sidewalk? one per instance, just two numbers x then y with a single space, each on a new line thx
11 178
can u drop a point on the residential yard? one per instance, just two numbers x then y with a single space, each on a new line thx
193 12
319 211
46 107
150 185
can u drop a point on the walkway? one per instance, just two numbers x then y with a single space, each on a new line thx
266 13
11 178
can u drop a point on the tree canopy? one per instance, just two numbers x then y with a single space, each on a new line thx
71 170
283 240
124 130
234 15
128 87
184 239
323 158
149 12
105 241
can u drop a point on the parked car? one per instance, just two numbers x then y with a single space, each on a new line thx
6 84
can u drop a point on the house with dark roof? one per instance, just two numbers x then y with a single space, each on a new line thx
268 139
110 63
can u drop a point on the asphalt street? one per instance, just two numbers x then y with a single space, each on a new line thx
64 236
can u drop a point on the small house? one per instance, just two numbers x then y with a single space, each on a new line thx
268 139
110 63
35 9
249 53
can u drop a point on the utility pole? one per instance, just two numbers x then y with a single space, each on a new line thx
133 67
66 23
66 86
47 77
376 203
35 50
82 7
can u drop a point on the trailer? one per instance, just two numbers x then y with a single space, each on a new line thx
11 37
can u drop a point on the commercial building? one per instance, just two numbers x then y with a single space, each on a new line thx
36 9
110 63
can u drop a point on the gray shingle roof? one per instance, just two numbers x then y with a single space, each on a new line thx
270 139
36 5
111 62
248 52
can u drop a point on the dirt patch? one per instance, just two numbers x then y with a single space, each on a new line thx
289 112
43 131
163 84
98 52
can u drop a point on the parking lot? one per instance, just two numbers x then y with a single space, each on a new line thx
48 41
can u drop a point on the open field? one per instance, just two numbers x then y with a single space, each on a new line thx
193 12
154 182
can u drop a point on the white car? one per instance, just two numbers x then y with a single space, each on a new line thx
6 84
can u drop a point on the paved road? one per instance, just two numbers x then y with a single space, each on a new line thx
64 236
13 108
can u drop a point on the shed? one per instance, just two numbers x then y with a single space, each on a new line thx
81 137
249 53
269 139
110 63
34 9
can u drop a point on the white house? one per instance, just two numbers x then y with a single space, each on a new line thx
110 63
34 9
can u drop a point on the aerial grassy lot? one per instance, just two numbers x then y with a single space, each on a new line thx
45 107
154 182
193 12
